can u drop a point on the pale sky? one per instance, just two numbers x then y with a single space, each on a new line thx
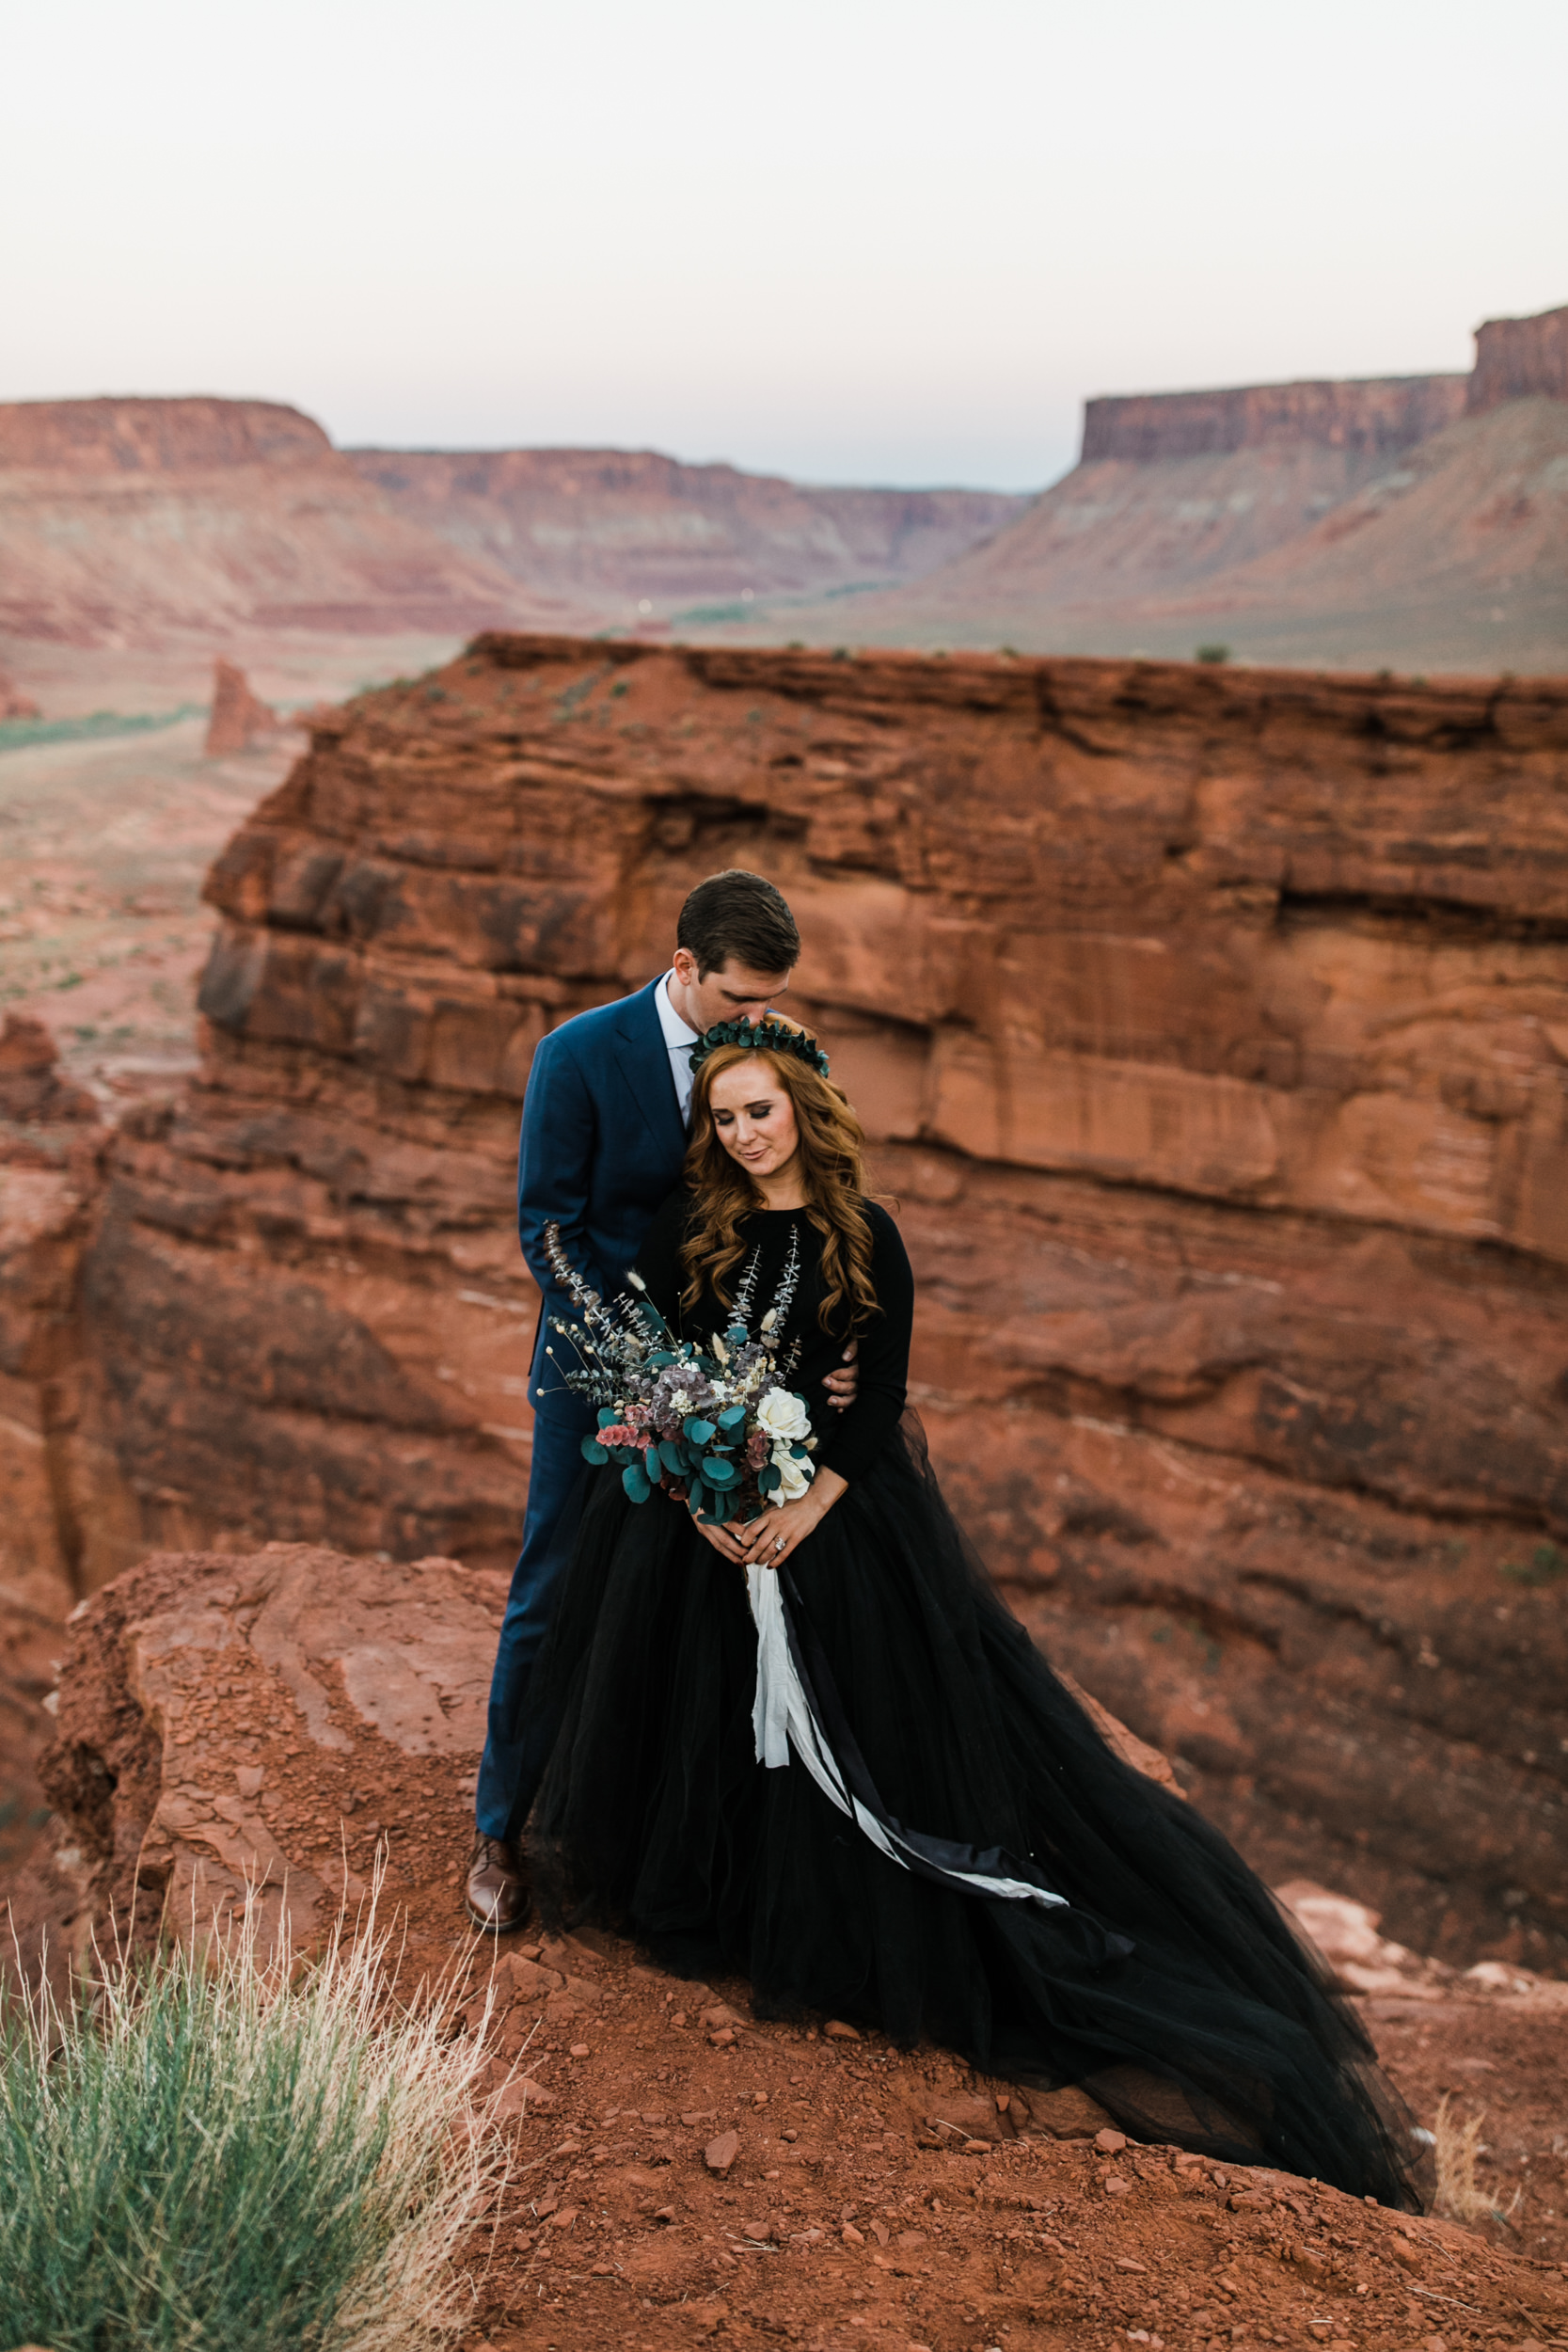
846 240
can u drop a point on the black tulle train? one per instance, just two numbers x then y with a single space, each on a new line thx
1216 2031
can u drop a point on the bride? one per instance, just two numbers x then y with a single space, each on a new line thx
944 1845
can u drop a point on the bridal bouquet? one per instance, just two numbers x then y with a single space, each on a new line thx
717 1428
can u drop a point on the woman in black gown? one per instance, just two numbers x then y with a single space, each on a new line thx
1135 1953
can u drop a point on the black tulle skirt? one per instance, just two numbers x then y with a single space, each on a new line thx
1215 2030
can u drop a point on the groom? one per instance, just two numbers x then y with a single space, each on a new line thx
604 1135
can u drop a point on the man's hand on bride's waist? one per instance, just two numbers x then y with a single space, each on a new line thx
843 1384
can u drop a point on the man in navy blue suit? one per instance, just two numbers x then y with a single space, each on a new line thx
604 1135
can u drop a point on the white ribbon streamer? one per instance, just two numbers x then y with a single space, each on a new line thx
781 1718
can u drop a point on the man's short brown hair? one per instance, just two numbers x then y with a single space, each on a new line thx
738 915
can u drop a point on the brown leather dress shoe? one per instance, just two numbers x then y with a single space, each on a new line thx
496 1897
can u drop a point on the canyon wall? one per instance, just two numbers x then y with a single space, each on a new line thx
1520 359
612 527
1378 414
1212 1030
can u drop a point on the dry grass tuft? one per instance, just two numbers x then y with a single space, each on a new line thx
242 2153
1455 2148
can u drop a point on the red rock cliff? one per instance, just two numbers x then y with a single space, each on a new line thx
1377 414
1520 359
155 436
1213 1031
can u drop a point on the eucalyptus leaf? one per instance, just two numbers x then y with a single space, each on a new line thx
634 1478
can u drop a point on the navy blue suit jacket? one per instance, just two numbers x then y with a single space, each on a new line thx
602 1146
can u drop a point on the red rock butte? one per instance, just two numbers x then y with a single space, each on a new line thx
1212 1030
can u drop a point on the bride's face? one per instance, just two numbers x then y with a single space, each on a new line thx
754 1117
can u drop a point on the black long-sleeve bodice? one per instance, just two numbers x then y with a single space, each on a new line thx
848 1442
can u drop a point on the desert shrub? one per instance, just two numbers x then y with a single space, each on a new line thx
1213 653
1545 1563
208 2152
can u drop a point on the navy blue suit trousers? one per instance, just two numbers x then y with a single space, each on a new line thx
602 1145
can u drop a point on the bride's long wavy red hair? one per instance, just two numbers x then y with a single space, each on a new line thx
833 1174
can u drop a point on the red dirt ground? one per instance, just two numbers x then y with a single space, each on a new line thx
879 2197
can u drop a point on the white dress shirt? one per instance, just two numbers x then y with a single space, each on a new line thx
679 1039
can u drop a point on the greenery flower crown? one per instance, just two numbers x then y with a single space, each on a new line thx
767 1036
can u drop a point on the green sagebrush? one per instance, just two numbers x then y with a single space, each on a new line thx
212 2150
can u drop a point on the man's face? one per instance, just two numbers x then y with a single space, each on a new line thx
732 992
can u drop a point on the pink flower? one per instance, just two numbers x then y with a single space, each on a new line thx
620 1433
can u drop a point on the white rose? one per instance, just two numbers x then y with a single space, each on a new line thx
784 1415
793 1480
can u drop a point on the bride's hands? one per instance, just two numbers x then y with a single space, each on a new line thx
768 1541
783 1529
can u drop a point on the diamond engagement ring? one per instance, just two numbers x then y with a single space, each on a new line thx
779 1544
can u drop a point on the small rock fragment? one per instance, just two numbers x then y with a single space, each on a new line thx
523 2097
836 2030
721 2152
850 2236
1111 2143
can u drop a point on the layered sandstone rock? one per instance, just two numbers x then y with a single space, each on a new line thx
51 1152
1214 1032
1377 413
257 1730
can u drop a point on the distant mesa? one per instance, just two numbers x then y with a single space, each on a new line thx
163 524
1415 523
141 435
1377 414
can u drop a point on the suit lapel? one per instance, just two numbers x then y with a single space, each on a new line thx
643 1060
